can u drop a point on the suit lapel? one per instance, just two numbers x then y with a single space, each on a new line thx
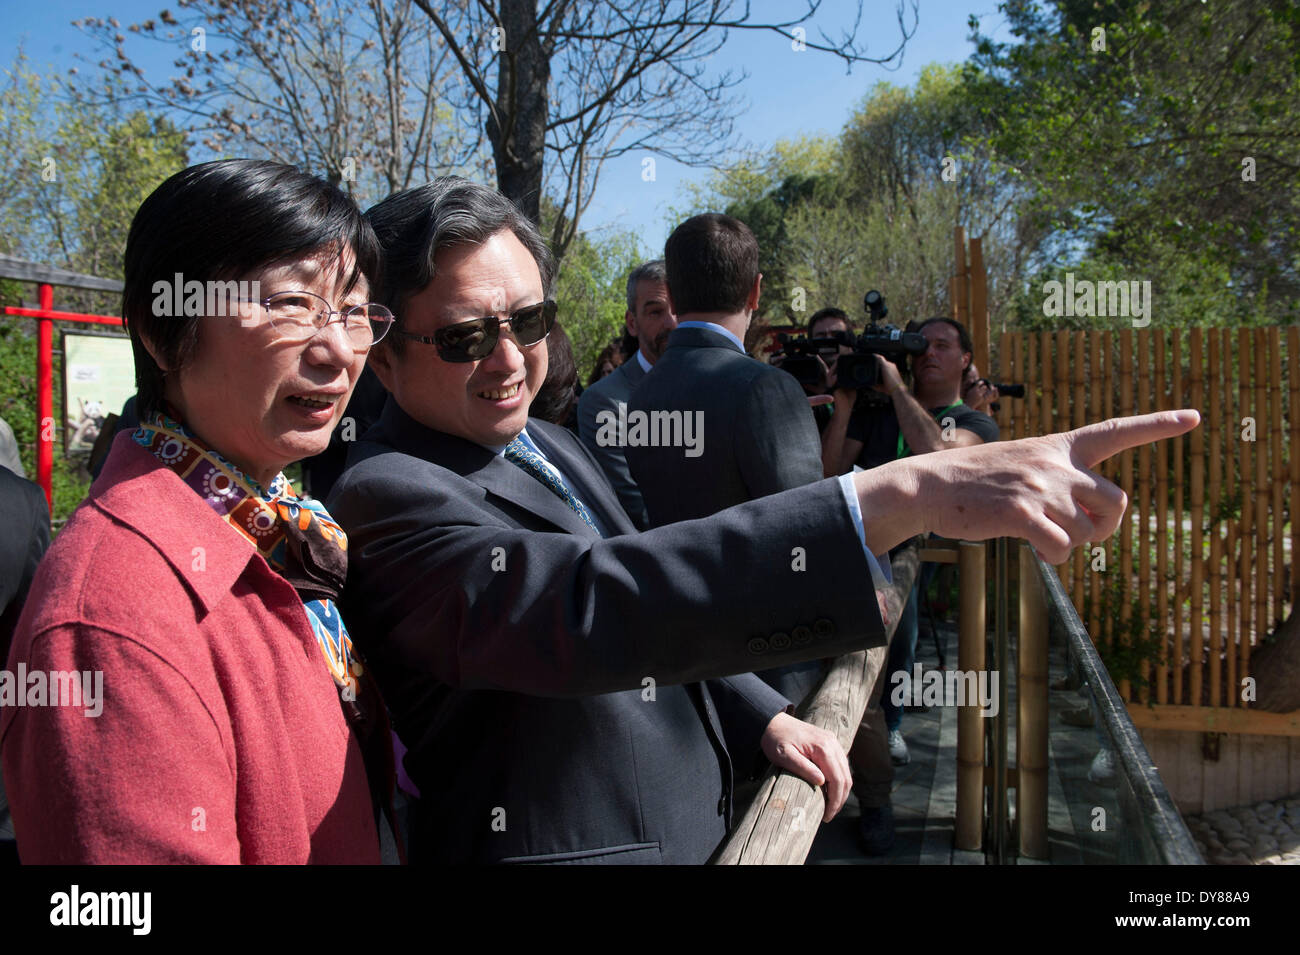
584 479
488 470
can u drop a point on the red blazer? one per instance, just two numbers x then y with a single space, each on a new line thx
220 739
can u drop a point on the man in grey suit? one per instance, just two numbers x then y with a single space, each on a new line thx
649 318
543 662
755 434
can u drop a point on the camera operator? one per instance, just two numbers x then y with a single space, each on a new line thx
929 416
825 323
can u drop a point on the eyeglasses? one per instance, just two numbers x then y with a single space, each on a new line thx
298 316
475 339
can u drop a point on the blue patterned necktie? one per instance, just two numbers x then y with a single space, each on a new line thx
519 453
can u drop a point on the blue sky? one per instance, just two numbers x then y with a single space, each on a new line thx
787 94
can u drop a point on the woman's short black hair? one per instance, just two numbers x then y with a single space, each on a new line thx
218 222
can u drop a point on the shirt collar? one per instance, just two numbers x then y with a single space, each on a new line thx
641 360
499 450
731 336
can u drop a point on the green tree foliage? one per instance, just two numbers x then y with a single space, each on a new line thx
591 290
876 208
75 174
1159 139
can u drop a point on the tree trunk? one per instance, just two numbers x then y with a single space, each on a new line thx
1276 667
519 142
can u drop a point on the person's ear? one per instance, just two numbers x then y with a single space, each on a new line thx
629 320
153 351
380 361
751 303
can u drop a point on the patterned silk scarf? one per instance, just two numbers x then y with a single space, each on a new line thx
296 537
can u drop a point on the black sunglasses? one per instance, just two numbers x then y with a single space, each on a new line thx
475 339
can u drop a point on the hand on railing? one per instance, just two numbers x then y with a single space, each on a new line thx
811 753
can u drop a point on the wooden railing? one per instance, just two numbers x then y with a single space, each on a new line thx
780 824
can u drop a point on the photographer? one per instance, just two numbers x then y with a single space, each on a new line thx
978 393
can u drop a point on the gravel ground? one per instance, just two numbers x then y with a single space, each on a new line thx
1266 834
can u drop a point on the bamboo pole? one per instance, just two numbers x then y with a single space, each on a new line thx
1230 644
1161 541
1018 375
1045 410
1277 478
1078 417
1006 372
1032 386
1145 543
1098 382
969 821
1215 437
1231 424
1259 580
1218 611
981 336
1032 714
1200 517
1177 632
1293 416
1110 467
1245 409
1126 482
1069 571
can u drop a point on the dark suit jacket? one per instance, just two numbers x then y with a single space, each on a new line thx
502 630
25 516
605 395
759 438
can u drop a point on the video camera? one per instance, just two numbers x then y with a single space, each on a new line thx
858 369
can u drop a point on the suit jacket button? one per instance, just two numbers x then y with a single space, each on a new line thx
758 645
801 636
780 641
824 628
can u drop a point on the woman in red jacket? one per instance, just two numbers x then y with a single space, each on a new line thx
198 699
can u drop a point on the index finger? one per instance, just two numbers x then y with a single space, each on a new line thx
1094 443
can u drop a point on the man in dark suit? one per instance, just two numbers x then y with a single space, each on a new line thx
507 607
542 660
650 319
25 516
754 433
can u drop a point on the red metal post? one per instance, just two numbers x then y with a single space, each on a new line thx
45 423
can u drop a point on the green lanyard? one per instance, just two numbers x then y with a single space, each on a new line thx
902 445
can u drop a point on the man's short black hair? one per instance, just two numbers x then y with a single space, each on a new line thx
416 224
217 222
829 312
963 336
712 262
